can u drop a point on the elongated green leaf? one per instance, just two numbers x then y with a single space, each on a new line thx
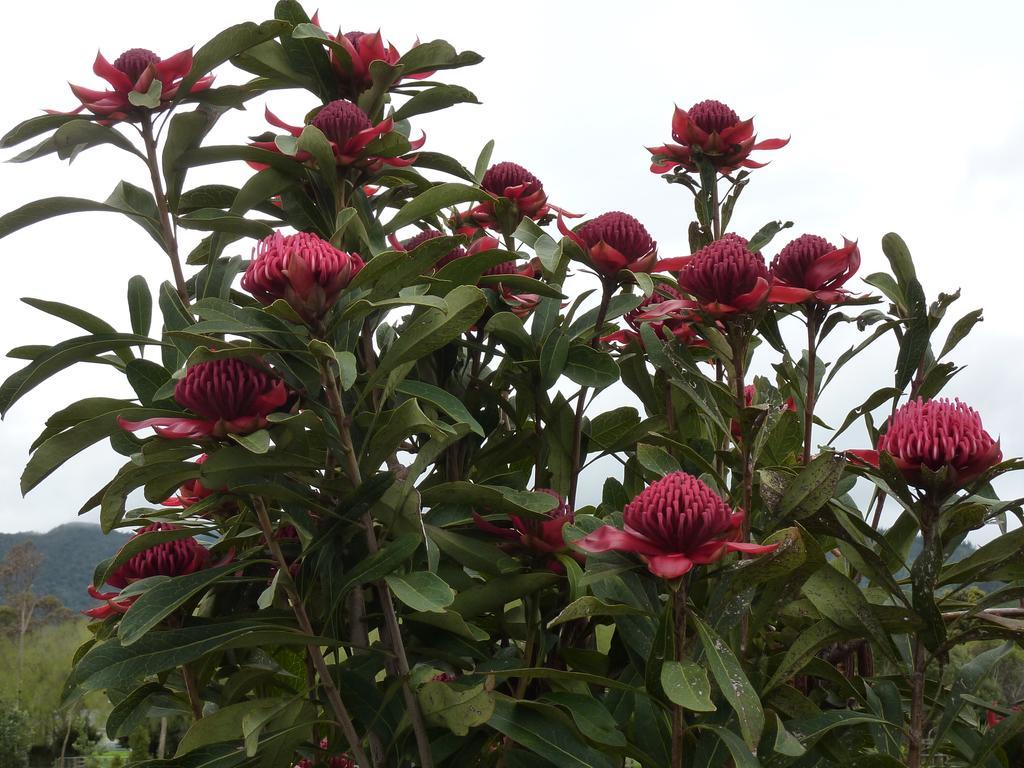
494 594
733 683
590 367
457 709
380 564
140 305
49 207
73 137
586 606
840 600
443 400
591 717
803 649
33 127
231 42
686 683
112 665
545 735
61 447
479 555
421 590
59 357
158 603
813 487
742 754
429 203
433 99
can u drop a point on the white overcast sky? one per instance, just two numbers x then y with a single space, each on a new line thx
904 116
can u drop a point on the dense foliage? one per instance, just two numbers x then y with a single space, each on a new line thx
362 449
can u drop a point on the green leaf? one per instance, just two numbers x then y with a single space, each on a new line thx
489 498
140 305
483 161
428 203
959 331
803 649
478 555
254 442
457 709
657 460
421 590
785 742
544 735
494 594
150 99
185 132
554 354
895 249
446 401
383 562
58 449
49 207
587 606
766 234
435 55
733 683
593 720
813 487
156 604
686 684
33 127
59 357
434 99
742 753
983 560
78 135
231 42
432 329
841 601
112 665
590 367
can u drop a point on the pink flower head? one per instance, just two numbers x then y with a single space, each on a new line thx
614 241
726 278
937 434
813 265
713 131
362 49
517 185
132 76
540 535
170 558
674 524
229 395
336 761
349 132
303 269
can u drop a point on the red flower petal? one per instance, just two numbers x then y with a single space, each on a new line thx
607 538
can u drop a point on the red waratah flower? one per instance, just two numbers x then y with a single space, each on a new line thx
132 75
337 761
363 48
540 535
517 185
749 394
349 132
170 558
813 265
303 269
679 323
614 241
726 278
936 434
230 396
674 524
713 131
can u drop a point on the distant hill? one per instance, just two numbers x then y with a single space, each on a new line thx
70 553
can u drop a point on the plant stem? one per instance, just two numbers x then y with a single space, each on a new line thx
809 398
341 714
531 638
915 738
392 627
170 241
739 353
716 211
607 289
192 690
678 715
